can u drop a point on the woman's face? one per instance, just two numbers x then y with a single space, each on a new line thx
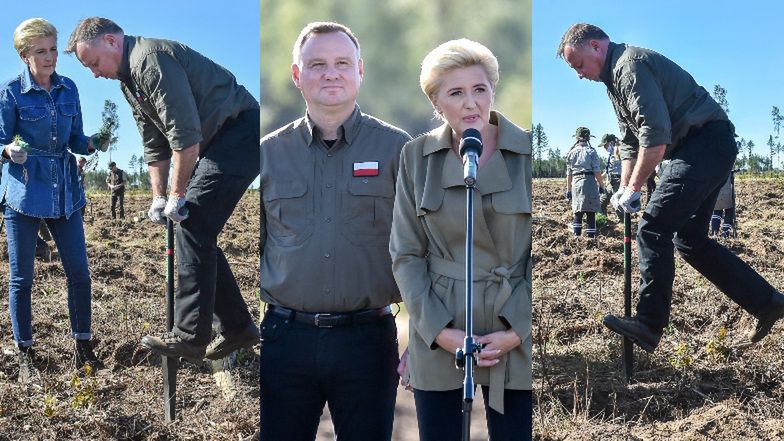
465 98
42 57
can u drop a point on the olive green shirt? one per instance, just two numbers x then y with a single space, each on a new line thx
655 100
325 227
428 255
178 96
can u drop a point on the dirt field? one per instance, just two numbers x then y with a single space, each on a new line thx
124 401
701 383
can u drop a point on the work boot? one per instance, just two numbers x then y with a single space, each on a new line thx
169 344
26 357
634 330
773 311
229 341
84 355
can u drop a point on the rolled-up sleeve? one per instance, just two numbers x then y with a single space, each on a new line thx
166 83
647 106
408 249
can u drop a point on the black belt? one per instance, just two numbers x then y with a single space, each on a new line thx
329 320
585 173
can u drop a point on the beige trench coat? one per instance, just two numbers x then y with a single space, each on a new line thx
427 245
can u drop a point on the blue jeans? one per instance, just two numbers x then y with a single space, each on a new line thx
351 368
68 235
440 415
677 216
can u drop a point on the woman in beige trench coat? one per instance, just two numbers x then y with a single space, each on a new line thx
428 250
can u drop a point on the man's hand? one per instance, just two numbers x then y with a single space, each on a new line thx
615 197
402 371
630 201
175 208
17 152
156 210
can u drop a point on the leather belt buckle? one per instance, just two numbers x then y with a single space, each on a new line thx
323 320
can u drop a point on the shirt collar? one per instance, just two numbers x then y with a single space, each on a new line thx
124 69
510 137
348 130
28 83
614 51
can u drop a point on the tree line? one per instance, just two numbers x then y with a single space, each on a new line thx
549 162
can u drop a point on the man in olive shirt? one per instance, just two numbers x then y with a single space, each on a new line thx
664 114
328 186
188 109
115 179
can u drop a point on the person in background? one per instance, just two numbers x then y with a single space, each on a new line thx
115 179
584 183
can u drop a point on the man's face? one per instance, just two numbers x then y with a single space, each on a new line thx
587 59
329 72
101 55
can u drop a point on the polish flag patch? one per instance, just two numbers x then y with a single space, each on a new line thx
368 168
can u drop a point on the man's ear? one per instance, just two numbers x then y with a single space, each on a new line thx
295 73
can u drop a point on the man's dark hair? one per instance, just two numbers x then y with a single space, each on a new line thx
89 29
112 164
578 34
321 27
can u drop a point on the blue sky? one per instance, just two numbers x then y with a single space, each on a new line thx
225 31
734 44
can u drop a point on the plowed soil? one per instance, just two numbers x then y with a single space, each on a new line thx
702 382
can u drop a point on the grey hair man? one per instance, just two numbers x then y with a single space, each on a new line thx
188 109
328 187
664 114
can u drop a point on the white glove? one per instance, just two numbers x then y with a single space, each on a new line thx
175 208
17 153
615 197
156 210
630 201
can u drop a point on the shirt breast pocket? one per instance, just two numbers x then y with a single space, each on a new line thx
289 212
511 202
367 211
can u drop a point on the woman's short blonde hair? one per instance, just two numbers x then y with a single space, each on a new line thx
452 55
29 30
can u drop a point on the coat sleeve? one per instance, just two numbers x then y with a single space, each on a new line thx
408 249
77 141
517 311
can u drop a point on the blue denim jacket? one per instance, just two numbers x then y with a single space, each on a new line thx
47 184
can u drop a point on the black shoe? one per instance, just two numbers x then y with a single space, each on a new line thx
26 357
773 311
633 329
227 342
169 344
84 356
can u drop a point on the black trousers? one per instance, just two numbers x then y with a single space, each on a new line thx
206 284
440 415
118 197
678 215
351 368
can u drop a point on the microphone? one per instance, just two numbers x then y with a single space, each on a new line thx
470 151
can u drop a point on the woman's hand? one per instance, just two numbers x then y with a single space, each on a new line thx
16 152
450 339
402 371
496 345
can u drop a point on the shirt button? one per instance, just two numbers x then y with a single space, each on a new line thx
55 185
329 155
365 181
329 185
328 220
327 255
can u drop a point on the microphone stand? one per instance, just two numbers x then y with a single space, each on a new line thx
465 357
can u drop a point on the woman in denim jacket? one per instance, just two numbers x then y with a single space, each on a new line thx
40 125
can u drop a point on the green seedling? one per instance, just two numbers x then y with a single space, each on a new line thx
717 348
682 358
21 143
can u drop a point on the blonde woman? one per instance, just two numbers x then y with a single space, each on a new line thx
427 246
40 126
